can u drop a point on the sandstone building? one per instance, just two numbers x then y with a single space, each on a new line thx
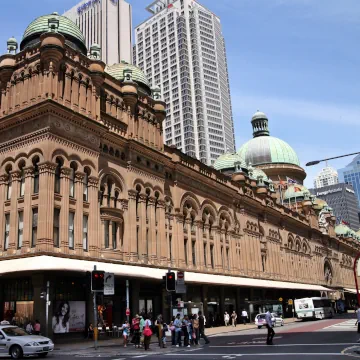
85 180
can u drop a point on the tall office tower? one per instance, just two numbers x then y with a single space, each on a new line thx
182 50
327 176
351 175
107 23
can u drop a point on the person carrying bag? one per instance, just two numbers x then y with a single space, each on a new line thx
147 334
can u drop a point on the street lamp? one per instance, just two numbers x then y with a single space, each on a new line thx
315 162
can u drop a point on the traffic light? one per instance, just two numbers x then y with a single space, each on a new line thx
170 281
97 280
43 295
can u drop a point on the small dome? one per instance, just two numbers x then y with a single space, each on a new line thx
343 230
67 28
259 115
295 191
319 204
257 173
117 72
227 161
12 40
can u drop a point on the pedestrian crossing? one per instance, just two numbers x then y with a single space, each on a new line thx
348 325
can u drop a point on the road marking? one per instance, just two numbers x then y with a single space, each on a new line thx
140 356
281 345
348 325
357 355
260 354
264 338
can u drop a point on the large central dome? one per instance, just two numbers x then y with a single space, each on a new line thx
266 149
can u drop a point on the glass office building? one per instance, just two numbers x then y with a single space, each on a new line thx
351 175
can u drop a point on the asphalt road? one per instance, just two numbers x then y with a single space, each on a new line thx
325 339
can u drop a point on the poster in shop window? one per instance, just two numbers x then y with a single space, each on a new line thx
69 316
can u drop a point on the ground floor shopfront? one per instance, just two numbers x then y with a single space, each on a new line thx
71 303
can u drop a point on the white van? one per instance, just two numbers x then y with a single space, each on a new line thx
313 308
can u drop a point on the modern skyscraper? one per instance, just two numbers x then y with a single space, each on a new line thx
351 175
107 23
342 199
327 176
182 50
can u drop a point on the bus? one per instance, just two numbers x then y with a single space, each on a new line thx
313 308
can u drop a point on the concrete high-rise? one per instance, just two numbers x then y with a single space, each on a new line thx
182 50
327 176
351 175
107 23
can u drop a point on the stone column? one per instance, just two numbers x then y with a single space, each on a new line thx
79 191
64 211
152 256
94 217
3 186
46 206
143 255
134 297
15 192
204 299
162 243
199 245
131 252
27 231
178 239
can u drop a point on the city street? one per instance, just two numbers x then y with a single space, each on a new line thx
330 339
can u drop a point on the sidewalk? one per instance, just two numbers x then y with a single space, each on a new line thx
109 343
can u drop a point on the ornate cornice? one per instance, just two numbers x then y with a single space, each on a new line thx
29 171
93 181
65 172
15 175
47 167
79 176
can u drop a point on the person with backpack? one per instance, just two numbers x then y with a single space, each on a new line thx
147 333
178 328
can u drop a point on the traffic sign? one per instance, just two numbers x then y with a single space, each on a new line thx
127 313
109 284
290 302
180 278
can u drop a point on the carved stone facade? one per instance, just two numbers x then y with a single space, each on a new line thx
84 175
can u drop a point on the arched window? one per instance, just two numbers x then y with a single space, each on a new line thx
116 199
138 189
9 184
35 162
147 202
73 168
22 178
59 164
87 172
157 195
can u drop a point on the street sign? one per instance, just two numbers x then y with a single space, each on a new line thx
109 284
180 278
281 299
290 302
127 313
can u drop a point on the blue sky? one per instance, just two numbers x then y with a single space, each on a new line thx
296 60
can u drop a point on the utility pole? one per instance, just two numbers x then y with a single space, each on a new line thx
47 307
95 319
127 299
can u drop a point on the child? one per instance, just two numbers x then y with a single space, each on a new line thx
125 332
163 335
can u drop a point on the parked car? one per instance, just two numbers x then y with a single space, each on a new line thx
275 318
17 343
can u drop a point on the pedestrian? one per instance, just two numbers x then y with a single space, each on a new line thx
29 328
125 332
37 327
244 316
358 318
147 333
178 328
90 333
195 325
159 325
202 328
233 318
135 324
226 318
211 319
172 329
269 325
142 325
185 330
165 328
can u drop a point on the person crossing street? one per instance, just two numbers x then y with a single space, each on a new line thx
269 325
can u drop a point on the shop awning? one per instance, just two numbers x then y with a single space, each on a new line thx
52 263
352 291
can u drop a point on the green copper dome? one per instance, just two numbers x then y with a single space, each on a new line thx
266 149
67 28
117 72
227 161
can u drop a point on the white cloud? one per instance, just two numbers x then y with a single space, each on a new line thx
297 108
